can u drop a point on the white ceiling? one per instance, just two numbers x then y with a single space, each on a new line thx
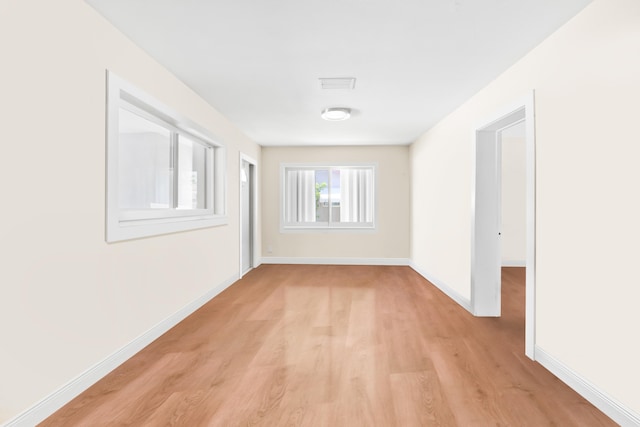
258 61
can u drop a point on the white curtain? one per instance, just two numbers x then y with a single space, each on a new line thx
356 195
301 196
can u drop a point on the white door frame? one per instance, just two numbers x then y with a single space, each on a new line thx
253 185
485 216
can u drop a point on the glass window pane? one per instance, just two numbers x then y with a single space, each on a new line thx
322 195
192 171
302 197
335 195
144 164
356 195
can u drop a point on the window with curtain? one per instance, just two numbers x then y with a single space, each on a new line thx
321 197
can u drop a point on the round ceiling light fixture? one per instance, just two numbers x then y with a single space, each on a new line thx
335 114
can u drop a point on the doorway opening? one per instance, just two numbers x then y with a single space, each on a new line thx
486 230
248 203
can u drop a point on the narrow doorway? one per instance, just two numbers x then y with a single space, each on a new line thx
487 216
513 195
513 229
247 213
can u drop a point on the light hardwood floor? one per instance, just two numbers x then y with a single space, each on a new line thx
294 345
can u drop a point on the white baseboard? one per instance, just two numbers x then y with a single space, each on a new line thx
336 261
50 404
514 263
611 407
454 295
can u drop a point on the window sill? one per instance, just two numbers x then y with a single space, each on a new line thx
128 230
327 230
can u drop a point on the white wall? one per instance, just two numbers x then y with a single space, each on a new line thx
514 196
586 104
68 299
390 240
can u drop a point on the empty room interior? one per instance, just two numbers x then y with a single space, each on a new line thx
354 213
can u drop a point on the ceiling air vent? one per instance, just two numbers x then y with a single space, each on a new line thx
338 83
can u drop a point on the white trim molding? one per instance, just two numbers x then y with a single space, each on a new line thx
450 292
56 400
336 261
514 263
601 400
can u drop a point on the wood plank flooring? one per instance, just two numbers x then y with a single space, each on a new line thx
296 345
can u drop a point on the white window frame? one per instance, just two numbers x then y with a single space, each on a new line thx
327 226
125 224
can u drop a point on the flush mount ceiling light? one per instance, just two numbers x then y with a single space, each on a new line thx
335 114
